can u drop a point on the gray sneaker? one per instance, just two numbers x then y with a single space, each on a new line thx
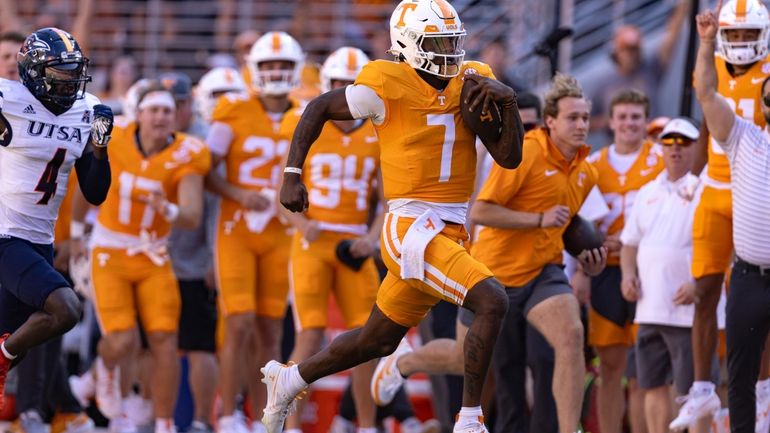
31 422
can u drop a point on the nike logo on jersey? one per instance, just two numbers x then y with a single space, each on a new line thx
370 139
48 130
550 173
29 109
646 171
757 80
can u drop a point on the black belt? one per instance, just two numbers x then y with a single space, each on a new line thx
761 270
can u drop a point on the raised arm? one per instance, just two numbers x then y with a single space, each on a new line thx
507 151
717 113
332 105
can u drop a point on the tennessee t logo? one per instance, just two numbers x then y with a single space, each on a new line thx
404 8
429 225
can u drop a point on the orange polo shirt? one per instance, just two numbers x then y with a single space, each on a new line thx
543 180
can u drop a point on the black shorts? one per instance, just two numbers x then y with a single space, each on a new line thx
27 277
198 321
607 298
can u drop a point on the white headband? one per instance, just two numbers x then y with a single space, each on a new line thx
158 98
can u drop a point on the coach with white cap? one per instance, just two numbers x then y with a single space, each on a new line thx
748 301
655 263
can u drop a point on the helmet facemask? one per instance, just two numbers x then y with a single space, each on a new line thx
275 81
58 83
744 52
440 54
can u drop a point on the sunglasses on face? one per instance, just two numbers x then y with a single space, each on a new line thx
680 141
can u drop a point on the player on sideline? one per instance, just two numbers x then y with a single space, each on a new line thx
48 124
428 162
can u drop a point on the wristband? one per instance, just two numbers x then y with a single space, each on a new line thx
509 104
170 212
77 229
540 220
294 170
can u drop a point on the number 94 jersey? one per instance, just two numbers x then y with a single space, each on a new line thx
339 173
37 152
427 152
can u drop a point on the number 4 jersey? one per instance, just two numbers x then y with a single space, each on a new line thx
37 152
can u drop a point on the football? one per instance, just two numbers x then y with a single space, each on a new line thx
487 127
580 235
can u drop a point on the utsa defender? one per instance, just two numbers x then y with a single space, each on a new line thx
428 162
48 124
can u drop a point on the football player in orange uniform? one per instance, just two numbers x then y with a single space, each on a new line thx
428 162
158 177
250 134
624 167
341 172
742 63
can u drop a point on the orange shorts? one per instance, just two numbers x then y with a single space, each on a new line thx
603 332
712 233
450 272
253 269
316 272
126 286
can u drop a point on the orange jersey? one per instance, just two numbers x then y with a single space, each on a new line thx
427 153
543 180
743 95
253 159
134 176
339 173
619 190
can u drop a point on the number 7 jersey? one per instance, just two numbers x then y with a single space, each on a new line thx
426 151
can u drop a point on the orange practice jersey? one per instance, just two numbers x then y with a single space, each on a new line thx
253 160
339 173
743 95
134 176
427 153
543 180
619 190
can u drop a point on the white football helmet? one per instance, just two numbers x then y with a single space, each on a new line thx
343 64
213 84
429 35
743 14
275 46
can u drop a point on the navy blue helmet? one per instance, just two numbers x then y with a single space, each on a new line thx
53 68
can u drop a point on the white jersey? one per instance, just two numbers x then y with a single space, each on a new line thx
37 153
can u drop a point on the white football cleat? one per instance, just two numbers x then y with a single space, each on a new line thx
280 396
387 380
108 397
695 407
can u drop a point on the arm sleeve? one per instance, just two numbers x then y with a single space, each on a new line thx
94 177
219 138
364 103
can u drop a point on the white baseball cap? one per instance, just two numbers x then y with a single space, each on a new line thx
680 126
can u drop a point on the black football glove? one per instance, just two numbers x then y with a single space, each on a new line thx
101 125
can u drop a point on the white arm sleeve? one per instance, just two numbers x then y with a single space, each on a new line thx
364 103
219 138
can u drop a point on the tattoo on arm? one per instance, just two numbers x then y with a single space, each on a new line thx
507 151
